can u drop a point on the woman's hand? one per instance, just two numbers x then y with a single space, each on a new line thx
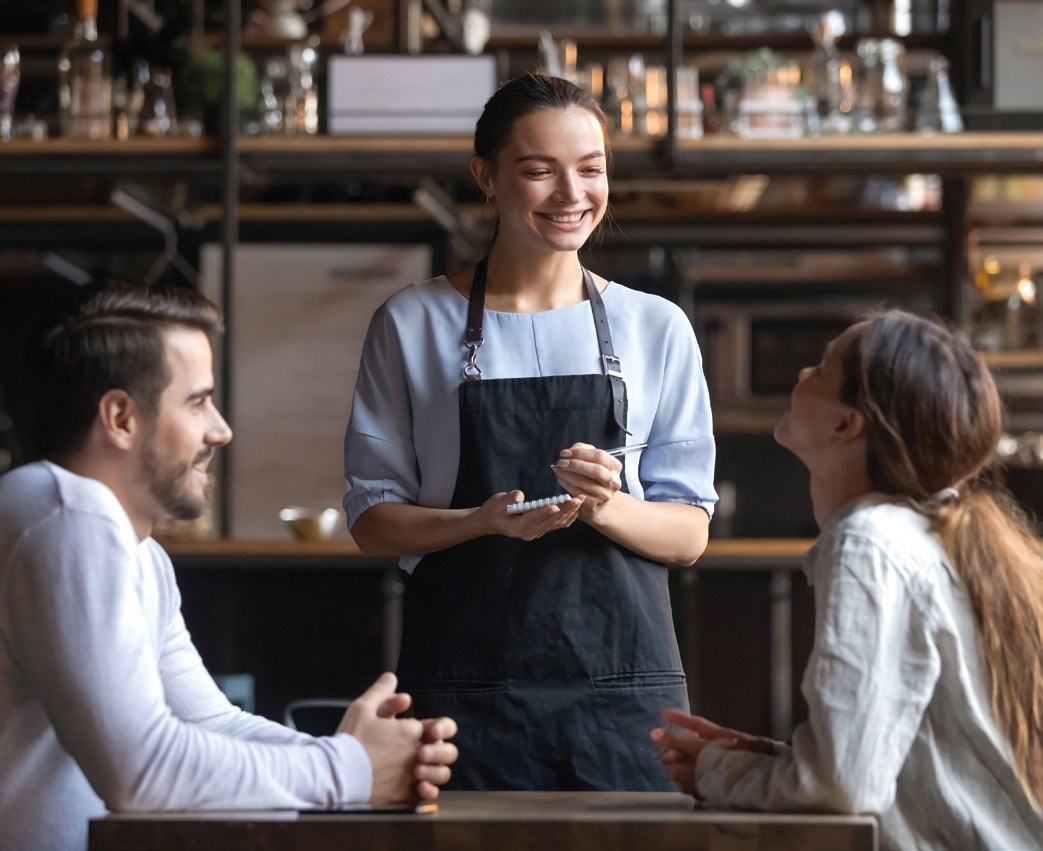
527 525
679 749
585 470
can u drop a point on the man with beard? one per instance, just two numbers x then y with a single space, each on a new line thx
104 701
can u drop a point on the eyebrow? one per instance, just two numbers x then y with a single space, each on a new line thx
200 394
546 158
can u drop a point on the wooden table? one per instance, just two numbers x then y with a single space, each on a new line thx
500 821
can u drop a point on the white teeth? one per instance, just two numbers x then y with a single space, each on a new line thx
566 220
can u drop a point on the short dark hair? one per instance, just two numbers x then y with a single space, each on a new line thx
109 336
523 95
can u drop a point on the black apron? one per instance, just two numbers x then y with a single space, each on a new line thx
555 655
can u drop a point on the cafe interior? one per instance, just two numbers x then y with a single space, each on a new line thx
780 167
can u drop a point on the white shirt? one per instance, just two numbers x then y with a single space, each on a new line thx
403 439
104 701
899 712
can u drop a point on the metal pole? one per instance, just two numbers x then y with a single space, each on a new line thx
229 239
781 653
674 48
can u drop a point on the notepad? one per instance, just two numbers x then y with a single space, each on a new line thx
519 507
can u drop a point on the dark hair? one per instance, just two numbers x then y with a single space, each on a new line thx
523 95
109 336
933 418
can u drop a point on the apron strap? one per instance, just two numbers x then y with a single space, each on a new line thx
609 362
473 338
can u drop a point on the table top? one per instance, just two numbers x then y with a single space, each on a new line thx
504 821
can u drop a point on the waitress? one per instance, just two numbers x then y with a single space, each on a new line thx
547 634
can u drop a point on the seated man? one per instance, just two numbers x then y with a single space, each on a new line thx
104 701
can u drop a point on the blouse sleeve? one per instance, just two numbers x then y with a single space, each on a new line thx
679 462
870 677
380 463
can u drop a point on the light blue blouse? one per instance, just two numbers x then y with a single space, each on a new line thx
403 438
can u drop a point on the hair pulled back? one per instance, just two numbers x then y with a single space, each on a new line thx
932 418
109 336
522 96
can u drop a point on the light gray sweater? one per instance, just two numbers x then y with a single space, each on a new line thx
104 701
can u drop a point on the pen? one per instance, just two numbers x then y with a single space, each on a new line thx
626 450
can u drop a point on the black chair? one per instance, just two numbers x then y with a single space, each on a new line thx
317 716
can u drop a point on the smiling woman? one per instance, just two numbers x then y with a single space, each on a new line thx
546 633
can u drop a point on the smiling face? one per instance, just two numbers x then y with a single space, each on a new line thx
550 181
179 441
816 413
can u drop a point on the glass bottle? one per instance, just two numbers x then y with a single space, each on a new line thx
830 92
615 97
305 89
938 111
85 80
883 87
10 65
278 103
158 116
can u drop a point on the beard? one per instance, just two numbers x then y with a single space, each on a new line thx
169 484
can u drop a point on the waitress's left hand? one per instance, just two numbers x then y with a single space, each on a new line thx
585 470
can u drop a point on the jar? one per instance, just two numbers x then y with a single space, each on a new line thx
882 87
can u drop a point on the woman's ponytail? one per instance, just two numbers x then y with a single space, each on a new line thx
994 552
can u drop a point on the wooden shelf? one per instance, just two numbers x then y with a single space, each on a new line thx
606 39
405 156
110 156
1026 359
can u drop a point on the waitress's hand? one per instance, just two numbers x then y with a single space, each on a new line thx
585 470
528 525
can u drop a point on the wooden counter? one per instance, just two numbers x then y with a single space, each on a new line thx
721 553
503 821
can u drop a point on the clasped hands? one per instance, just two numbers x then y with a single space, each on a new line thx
681 744
589 474
410 758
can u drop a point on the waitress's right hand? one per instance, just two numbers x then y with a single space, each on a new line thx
528 525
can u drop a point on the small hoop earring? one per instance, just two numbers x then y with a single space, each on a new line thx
489 198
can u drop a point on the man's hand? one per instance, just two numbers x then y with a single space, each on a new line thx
391 743
679 749
434 757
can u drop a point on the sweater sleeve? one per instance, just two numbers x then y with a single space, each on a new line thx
869 679
78 626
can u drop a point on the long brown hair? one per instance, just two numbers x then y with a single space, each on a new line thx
933 418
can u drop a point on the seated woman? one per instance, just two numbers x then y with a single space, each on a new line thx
925 684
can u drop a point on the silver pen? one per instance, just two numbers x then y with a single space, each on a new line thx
626 450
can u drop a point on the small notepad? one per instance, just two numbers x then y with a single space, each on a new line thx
519 507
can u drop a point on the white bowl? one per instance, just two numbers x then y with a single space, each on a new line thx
311 525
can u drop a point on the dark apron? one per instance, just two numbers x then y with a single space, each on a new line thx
555 655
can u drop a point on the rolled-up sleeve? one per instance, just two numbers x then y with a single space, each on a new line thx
380 463
679 462
868 681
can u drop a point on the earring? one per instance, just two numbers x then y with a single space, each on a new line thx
489 198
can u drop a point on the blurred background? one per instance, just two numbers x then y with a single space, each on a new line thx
781 166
